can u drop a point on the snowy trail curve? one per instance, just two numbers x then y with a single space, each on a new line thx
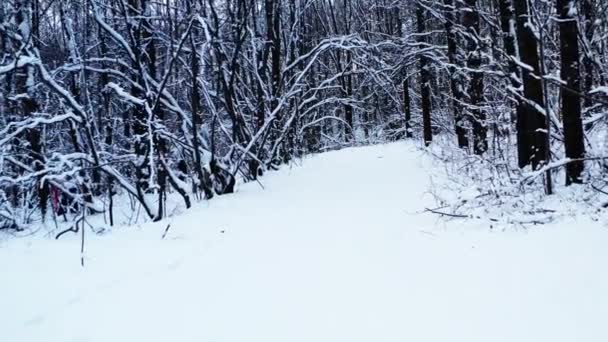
333 250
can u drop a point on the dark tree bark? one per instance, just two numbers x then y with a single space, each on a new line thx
26 15
149 60
506 23
348 79
425 79
343 69
455 82
273 34
348 109
407 108
589 67
533 124
478 116
202 176
139 117
262 58
104 79
571 101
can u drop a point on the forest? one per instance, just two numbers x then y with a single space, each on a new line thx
134 101
303 170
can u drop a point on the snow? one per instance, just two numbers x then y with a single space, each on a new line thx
603 90
19 63
335 249
124 94
572 10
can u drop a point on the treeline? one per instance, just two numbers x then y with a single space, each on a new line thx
107 99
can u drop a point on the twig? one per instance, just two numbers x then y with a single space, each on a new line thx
166 230
446 214
442 213
73 228
84 210
555 165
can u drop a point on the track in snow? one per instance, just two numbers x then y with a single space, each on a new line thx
332 250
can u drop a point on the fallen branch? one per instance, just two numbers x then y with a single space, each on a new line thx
445 214
442 213
165 232
74 227
556 165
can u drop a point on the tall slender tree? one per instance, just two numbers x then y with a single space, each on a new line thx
425 78
475 93
570 99
455 60
533 122
507 26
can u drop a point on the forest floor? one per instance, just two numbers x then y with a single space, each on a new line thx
338 248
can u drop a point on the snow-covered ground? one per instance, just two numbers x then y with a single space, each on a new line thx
336 249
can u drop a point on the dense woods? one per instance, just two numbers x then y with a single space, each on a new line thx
131 101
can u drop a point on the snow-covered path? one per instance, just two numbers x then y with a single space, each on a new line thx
333 250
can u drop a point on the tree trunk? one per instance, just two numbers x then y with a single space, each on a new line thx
507 25
478 115
425 79
533 123
589 67
25 84
571 101
455 82
407 108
